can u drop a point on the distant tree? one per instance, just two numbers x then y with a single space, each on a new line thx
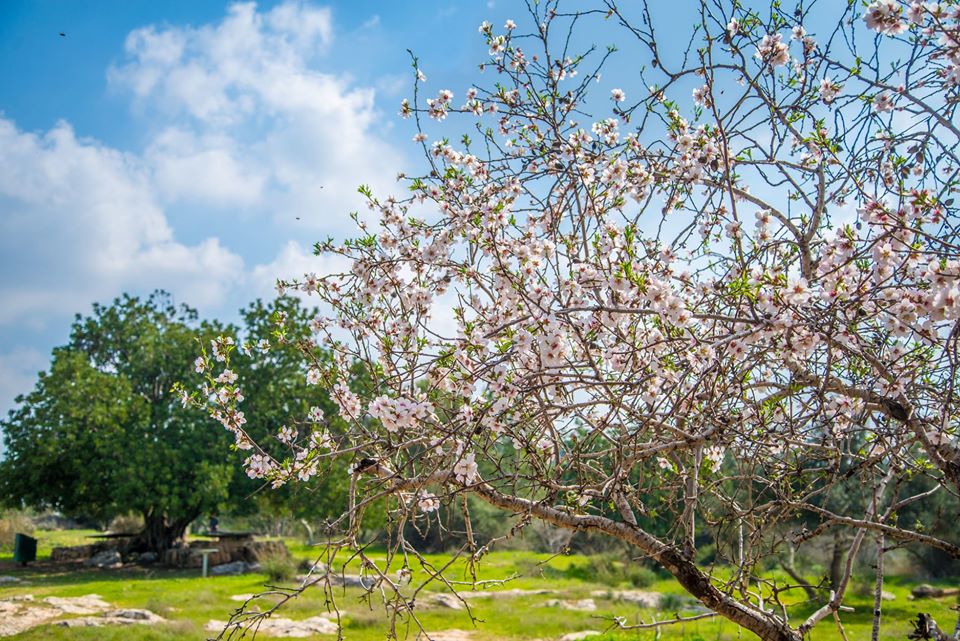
102 433
273 364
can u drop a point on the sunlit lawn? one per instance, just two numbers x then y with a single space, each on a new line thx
189 601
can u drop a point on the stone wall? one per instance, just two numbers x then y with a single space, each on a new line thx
230 550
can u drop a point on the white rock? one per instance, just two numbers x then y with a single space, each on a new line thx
580 605
279 627
109 559
641 598
444 600
87 604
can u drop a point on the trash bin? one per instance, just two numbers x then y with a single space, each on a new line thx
24 549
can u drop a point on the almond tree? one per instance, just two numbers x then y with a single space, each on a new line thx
728 286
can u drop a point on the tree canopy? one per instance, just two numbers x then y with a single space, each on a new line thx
104 434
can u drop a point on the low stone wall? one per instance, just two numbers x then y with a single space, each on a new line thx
79 553
230 550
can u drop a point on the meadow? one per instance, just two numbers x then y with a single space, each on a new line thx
188 601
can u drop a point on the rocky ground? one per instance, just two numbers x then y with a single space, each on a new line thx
20 613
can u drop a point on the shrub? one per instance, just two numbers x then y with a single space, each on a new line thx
127 524
278 567
609 569
11 523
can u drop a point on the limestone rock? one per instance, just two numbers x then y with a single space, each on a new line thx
87 604
109 559
279 627
114 617
579 636
640 598
580 605
147 558
444 600
447 635
927 591
228 569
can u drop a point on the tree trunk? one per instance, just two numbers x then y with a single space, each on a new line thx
836 560
161 533
765 625
790 568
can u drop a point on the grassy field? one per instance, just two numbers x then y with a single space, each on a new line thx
189 602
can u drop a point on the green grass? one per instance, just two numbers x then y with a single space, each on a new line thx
189 601
49 539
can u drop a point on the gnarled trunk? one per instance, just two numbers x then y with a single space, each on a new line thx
765 625
836 559
161 533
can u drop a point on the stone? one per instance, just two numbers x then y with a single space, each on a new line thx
72 554
88 604
580 605
9 579
20 613
133 614
578 636
147 558
108 559
640 598
444 600
20 617
280 627
887 596
927 591
114 617
353 581
226 569
447 635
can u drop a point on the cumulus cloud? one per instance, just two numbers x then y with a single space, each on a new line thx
81 223
291 263
245 129
251 121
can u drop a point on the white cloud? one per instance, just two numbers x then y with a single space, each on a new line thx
293 262
251 122
81 223
245 129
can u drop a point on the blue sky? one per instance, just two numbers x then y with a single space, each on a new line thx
175 145
202 147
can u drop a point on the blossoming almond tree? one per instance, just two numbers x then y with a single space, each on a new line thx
698 306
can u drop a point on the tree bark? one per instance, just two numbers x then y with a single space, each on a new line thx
790 568
765 625
161 533
836 560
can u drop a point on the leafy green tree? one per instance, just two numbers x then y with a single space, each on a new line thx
276 395
102 433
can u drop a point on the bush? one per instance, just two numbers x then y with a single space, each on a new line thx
609 569
11 523
278 567
127 524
